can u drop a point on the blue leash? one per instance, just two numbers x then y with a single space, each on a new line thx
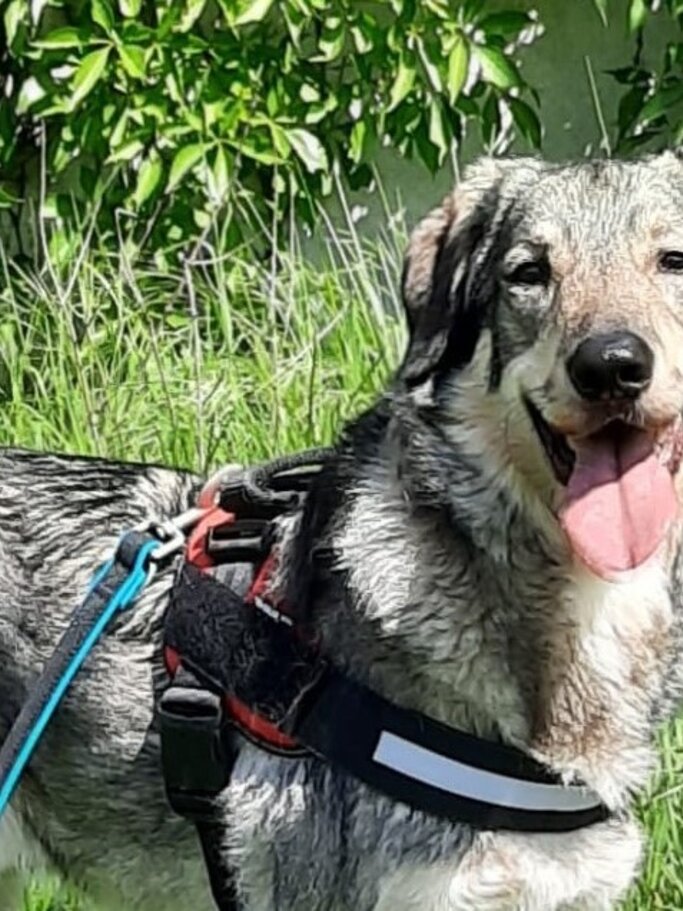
114 587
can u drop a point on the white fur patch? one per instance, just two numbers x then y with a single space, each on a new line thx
19 850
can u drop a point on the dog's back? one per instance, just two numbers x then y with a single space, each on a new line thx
92 804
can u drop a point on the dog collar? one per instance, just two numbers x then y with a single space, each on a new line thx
289 699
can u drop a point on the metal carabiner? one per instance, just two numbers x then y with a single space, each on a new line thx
171 533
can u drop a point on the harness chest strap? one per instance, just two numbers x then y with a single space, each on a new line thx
287 698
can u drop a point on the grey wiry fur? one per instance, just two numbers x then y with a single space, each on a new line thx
429 560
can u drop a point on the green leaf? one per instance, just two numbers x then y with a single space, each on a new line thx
437 129
458 63
438 7
431 68
509 22
637 15
125 152
177 320
660 102
331 43
280 141
102 14
496 68
309 149
220 173
630 107
403 83
62 38
185 159
149 176
471 9
13 16
601 9
309 93
119 131
490 119
317 112
192 12
526 120
7 199
630 75
260 153
426 149
362 42
212 111
130 8
30 93
132 60
253 11
294 21
49 207
356 141
88 74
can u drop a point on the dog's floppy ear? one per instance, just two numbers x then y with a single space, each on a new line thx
444 283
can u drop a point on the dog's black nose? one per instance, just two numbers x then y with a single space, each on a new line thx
616 365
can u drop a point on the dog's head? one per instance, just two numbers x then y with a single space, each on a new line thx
548 301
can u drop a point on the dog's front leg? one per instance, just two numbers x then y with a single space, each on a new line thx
518 872
12 886
20 855
486 887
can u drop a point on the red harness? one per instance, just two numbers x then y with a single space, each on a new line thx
247 721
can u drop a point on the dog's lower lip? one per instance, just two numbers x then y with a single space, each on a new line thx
668 442
559 453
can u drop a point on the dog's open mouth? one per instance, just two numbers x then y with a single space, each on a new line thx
620 498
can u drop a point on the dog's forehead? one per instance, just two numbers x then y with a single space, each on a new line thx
598 204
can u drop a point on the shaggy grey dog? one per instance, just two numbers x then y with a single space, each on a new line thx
496 544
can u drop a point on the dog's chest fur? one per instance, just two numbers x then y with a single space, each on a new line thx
504 640
509 641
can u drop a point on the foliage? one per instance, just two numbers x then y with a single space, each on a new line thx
650 113
156 109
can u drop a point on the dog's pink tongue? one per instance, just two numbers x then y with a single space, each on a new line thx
620 502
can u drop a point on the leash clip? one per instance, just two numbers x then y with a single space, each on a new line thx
171 533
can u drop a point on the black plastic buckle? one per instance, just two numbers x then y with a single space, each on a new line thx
241 541
196 753
235 496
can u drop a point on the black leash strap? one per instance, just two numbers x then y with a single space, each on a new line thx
64 662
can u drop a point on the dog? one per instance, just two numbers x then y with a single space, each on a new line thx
496 543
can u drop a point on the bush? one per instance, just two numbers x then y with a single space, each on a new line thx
164 112
650 112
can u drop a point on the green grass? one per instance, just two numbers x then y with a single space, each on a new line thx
223 358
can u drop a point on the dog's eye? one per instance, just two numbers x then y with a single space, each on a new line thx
671 261
534 272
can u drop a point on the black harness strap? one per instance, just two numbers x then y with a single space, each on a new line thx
249 654
197 756
419 761
211 838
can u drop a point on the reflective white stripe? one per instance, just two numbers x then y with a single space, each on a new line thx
272 612
423 765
